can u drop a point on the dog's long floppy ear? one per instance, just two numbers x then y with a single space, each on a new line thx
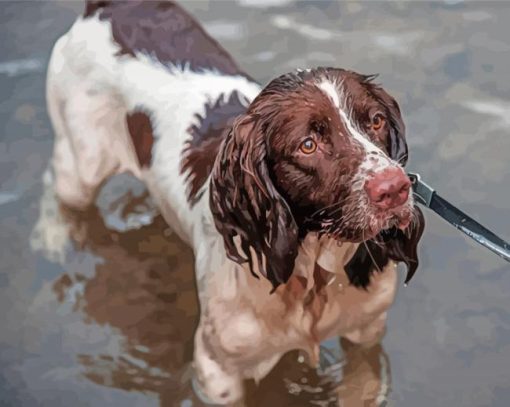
255 221
396 143
394 244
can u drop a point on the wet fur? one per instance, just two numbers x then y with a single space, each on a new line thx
279 252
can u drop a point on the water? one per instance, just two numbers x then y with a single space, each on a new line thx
105 314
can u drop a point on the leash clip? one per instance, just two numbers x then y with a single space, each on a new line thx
422 192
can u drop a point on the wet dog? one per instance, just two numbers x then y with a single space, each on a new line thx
293 196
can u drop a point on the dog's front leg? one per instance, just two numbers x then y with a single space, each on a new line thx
366 375
371 334
216 382
366 371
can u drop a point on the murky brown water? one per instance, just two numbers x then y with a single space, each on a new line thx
99 308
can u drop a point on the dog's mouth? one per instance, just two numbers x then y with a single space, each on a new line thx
361 223
399 218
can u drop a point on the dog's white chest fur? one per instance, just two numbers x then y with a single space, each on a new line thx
243 322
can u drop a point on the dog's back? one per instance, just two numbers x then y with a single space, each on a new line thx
141 87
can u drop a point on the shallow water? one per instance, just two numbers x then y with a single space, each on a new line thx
99 308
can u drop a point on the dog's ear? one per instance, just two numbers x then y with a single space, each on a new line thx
255 221
394 244
396 143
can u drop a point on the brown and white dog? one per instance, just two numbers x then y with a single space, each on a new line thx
293 196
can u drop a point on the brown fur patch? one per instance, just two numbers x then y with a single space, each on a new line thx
140 129
206 137
164 30
92 6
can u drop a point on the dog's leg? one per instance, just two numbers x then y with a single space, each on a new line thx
63 168
68 187
371 334
366 378
63 163
366 371
89 143
262 369
216 382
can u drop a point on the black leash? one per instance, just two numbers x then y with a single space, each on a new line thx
428 197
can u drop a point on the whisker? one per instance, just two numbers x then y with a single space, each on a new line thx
377 240
328 207
369 253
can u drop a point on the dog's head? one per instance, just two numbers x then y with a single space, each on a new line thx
319 150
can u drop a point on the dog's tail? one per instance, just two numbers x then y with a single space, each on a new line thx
91 6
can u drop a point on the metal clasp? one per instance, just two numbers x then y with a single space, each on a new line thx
422 192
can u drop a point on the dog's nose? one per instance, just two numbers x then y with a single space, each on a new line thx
388 189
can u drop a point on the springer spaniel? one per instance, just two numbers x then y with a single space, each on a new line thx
292 196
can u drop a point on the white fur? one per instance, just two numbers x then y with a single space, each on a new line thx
375 159
243 330
330 89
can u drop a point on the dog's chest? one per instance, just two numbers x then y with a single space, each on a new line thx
316 303
349 308
337 307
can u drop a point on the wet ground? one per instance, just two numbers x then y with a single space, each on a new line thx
99 308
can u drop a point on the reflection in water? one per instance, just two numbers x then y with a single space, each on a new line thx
143 286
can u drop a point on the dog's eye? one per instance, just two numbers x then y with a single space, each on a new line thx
308 146
377 121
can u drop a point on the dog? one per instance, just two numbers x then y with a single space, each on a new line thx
293 196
